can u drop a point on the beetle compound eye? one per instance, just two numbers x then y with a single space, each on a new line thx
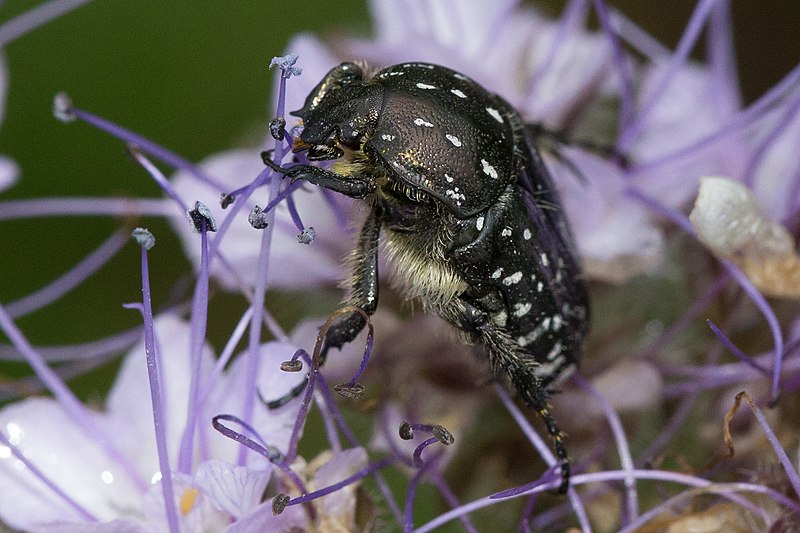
347 73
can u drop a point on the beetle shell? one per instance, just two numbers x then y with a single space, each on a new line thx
471 221
440 132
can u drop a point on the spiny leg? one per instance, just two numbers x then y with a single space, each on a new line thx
504 358
363 287
529 388
363 294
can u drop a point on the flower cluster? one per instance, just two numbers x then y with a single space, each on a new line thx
636 137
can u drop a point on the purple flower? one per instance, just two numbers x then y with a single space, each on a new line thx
191 440
320 262
126 487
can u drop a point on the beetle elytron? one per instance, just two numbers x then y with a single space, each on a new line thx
472 225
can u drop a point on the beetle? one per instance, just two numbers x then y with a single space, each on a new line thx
472 225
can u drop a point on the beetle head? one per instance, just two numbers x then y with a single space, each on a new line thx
341 110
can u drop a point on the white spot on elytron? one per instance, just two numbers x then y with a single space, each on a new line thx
488 169
460 76
449 178
422 122
458 93
453 139
546 370
545 259
535 334
539 286
455 195
497 273
397 73
425 86
479 223
495 114
557 322
526 234
521 310
506 232
555 351
387 137
512 279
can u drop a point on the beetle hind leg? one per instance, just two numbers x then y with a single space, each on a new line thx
530 389
519 369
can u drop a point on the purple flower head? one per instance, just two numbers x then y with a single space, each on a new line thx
240 245
116 487
222 417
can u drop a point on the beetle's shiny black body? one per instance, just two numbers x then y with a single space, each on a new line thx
472 226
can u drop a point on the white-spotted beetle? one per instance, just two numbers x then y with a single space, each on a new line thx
472 225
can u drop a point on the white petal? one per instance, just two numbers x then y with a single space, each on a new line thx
580 65
115 526
274 426
235 489
629 386
75 462
775 183
197 512
687 111
262 519
339 506
614 234
129 405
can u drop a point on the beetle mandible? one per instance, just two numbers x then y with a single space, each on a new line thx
472 225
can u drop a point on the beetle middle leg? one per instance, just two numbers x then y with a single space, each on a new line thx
363 294
363 285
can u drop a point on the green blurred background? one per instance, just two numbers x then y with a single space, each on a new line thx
193 76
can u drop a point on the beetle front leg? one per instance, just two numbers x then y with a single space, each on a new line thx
353 186
364 284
